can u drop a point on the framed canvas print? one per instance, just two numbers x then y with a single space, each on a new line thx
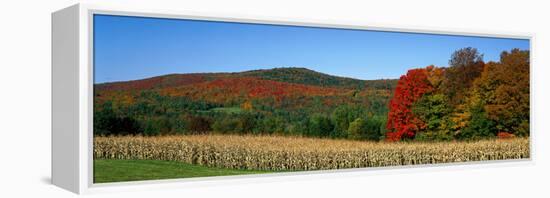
162 96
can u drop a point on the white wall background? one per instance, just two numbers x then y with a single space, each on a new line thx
25 97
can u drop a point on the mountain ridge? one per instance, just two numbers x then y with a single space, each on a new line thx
297 75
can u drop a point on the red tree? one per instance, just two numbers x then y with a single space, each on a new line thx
401 121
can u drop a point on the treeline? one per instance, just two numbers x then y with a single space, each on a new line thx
319 116
468 100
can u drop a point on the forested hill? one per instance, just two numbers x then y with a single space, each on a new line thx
288 75
295 101
306 76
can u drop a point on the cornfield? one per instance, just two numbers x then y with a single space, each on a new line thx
296 153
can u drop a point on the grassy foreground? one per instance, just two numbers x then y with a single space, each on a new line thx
275 153
135 170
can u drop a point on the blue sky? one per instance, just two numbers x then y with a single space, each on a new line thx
129 48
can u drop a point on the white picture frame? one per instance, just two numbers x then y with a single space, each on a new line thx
72 101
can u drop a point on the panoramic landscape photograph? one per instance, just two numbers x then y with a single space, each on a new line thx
176 98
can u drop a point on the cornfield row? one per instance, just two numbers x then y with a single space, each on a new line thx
294 153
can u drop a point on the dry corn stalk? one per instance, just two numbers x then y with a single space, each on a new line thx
296 153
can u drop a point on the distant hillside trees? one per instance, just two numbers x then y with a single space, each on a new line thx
281 101
154 114
306 76
367 129
342 117
107 122
320 126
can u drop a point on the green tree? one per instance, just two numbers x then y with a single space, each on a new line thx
245 123
150 127
357 128
479 126
299 128
104 117
375 128
320 125
342 117
370 129
434 111
179 124
225 125
107 122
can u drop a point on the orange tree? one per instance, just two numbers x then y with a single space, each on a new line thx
503 92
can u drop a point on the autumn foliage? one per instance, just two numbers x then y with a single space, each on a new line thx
289 101
468 100
401 121
505 135
248 87
503 91
154 82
